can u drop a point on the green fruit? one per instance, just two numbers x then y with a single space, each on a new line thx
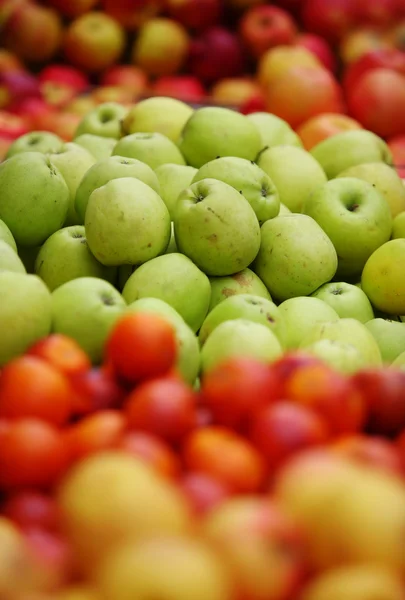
244 282
154 149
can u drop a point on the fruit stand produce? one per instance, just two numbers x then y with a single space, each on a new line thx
202 300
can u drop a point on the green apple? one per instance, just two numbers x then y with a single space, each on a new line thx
248 179
34 197
173 179
300 315
28 256
249 307
9 259
390 337
66 256
244 282
296 256
385 179
98 146
355 216
383 278
283 210
295 173
348 300
399 362
86 309
274 131
103 171
72 161
349 331
216 227
103 120
172 247
398 226
126 223
157 114
215 131
350 148
154 149
239 338
188 350
341 356
7 236
25 313
176 280
35 141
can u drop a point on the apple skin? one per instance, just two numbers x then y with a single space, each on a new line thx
99 147
93 42
319 47
399 362
324 126
274 131
73 8
350 331
188 350
36 141
330 19
341 356
386 58
348 300
239 92
382 278
396 145
355 216
385 179
239 338
132 13
103 171
295 257
129 77
263 27
186 88
293 185
73 162
65 76
244 282
173 179
359 42
174 279
66 256
195 14
215 131
248 179
86 310
126 223
161 47
7 236
248 307
104 120
301 314
25 313
390 337
154 149
9 259
216 228
157 115
31 185
398 226
348 149
276 63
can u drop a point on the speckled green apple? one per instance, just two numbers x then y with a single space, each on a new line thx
154 149
35 141
103 120
348 300
383 278
158 114
274 131
244 282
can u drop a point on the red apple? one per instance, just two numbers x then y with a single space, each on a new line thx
277 61
385 59
94 42
65 75
303 92
35 110
319 47
195 14
16 86
203 491
73 8
329 18
132 14
360 41
57 94
183 87
263 27
397 146
215 54
377 12
33 32
126 76
12 126
323 126
9 62
112 94
239 92
376 452
377 101
64 124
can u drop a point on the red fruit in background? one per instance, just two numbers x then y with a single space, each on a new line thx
73 8
141 346
377 101
263 27
318 46
215 54
17 86
35 110
101 431
31 508
195 14
383 391
397 146
291 97
375 452
10 62
53 553
290 363
126 76
65 75
12 126
377 12
236 389
385 59
241 92
323 126
64 124
203 491
153 450
400 444
329 18
95 390
32 453
283 429
182 87
164 407
63 353
132 13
